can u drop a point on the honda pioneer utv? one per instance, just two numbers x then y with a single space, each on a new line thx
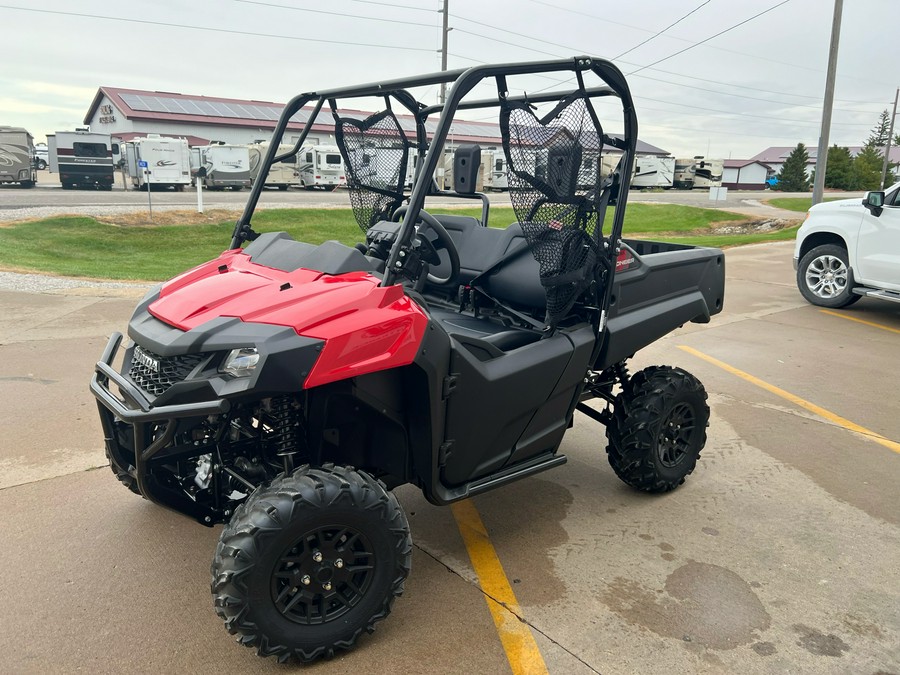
284 388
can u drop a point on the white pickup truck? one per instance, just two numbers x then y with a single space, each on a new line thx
850 248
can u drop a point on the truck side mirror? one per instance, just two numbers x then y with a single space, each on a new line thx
874 201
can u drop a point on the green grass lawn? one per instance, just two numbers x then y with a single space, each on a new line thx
800 204
84 247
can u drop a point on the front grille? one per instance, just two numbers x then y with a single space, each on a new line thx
170 370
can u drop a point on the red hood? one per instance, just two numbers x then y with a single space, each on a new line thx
233 286
366 327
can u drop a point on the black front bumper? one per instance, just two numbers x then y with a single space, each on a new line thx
152 428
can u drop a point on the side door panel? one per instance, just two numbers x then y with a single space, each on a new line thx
878 246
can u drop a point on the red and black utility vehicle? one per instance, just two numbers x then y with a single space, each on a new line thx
284 389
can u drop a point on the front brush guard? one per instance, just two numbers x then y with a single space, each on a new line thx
136 410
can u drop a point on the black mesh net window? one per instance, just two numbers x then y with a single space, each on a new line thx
376 156
554 177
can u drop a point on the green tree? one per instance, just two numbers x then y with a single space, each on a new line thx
879 135
792 177
866 169
839 170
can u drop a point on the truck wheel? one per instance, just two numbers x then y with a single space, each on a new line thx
658 429
41 165
310 561
824 277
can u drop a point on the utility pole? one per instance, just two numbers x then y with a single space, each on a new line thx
822 154
444 31
887 150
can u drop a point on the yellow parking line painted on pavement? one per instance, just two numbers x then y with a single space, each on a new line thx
796 400
521 650
853 318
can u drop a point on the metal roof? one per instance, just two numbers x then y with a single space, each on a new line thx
214 110
779 153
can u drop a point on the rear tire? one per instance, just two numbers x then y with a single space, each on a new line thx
824 277
310 561
658 429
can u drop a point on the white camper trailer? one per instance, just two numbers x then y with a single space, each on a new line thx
684 174
17 162
82 158
168 162
321 166
495 177
223 166
651 171
708 172
282 174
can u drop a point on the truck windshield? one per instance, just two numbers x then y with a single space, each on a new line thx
89 149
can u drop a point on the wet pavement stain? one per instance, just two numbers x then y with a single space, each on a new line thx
816 642
527 531
703 603
764 648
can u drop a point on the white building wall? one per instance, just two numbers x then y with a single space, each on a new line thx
108 119
752 173
729 175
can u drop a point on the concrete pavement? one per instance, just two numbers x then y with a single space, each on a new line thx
781 553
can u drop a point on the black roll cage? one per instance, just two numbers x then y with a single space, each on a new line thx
463 80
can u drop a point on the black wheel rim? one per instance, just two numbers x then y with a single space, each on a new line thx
324 575
675 435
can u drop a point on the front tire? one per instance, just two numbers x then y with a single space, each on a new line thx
824 277
658 429
310 561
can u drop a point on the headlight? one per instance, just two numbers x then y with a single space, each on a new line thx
241 362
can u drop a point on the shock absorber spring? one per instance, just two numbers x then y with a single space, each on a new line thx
621 371
285 420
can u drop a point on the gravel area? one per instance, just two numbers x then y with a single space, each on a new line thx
40 283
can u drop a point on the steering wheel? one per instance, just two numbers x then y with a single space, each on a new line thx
443 241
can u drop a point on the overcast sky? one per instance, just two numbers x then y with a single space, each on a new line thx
757 85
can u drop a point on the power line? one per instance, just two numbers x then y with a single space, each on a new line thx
656 35
668 72
390 4
213 30
705 110
342 15
697 44
780 62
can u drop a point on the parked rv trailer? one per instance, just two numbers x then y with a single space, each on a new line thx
282 174
224 166
684 174
651 171
321 166
168 162
17 162
82 159
498 180
708 172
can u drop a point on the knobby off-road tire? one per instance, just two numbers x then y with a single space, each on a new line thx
310 561
824 277
658 429
122 475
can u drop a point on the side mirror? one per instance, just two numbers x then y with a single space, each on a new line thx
874 201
